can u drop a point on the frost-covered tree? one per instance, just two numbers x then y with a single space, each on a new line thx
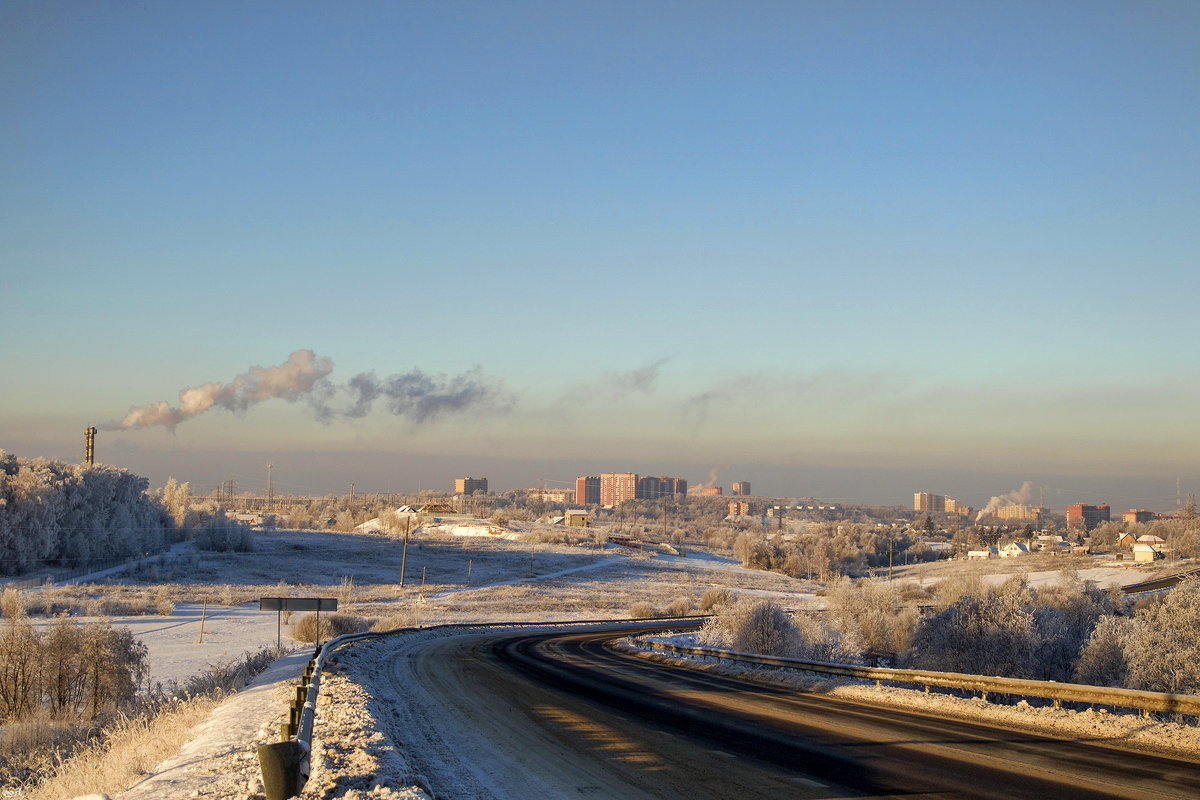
54 513
1012 630
1161 646
990 634
872 614
1103 662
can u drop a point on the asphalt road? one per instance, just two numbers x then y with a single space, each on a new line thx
500 715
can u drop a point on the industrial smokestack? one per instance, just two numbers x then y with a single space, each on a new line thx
89 446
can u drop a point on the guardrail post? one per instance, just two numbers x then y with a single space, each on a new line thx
280 764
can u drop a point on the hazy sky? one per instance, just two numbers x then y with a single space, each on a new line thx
844 249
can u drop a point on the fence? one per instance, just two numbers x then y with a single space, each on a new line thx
51 575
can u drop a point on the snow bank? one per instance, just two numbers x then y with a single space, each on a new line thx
221 758
351 758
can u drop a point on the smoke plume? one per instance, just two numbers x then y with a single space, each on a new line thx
418 396
289 381
1018 497
614 386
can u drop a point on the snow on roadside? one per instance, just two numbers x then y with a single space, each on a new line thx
1130 731
351 757
220 759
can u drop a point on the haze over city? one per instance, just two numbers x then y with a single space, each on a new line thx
844 251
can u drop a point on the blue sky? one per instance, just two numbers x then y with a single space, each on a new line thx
916 243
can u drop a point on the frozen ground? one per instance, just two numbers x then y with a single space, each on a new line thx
176 652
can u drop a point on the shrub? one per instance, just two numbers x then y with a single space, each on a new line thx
405 618
642 610
753 626
715 597
213 530
12 604
680 607
305 630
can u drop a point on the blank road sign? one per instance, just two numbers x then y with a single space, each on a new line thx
297 604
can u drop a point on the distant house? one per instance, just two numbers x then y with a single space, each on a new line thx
987 552
1151 539
436 508
1126 540
1014 549
1146 552
576 518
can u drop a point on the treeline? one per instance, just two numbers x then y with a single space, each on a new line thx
1069 632
64 514
54 514
826 551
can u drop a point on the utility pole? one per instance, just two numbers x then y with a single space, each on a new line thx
891 538
404 552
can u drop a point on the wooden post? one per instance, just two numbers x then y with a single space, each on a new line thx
203 614
404 552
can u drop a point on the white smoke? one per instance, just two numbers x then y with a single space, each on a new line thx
416 395
290 380
1018 497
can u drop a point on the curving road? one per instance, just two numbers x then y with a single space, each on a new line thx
511 715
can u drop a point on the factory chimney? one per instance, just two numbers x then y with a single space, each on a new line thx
89 446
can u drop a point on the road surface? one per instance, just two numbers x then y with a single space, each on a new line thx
505 715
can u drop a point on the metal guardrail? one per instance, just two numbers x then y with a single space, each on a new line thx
1156 584
1050 690
287 764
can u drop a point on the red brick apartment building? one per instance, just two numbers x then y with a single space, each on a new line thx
1082 517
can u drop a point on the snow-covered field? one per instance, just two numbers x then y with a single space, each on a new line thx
176 651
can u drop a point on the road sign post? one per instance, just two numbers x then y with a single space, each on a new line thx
281 604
